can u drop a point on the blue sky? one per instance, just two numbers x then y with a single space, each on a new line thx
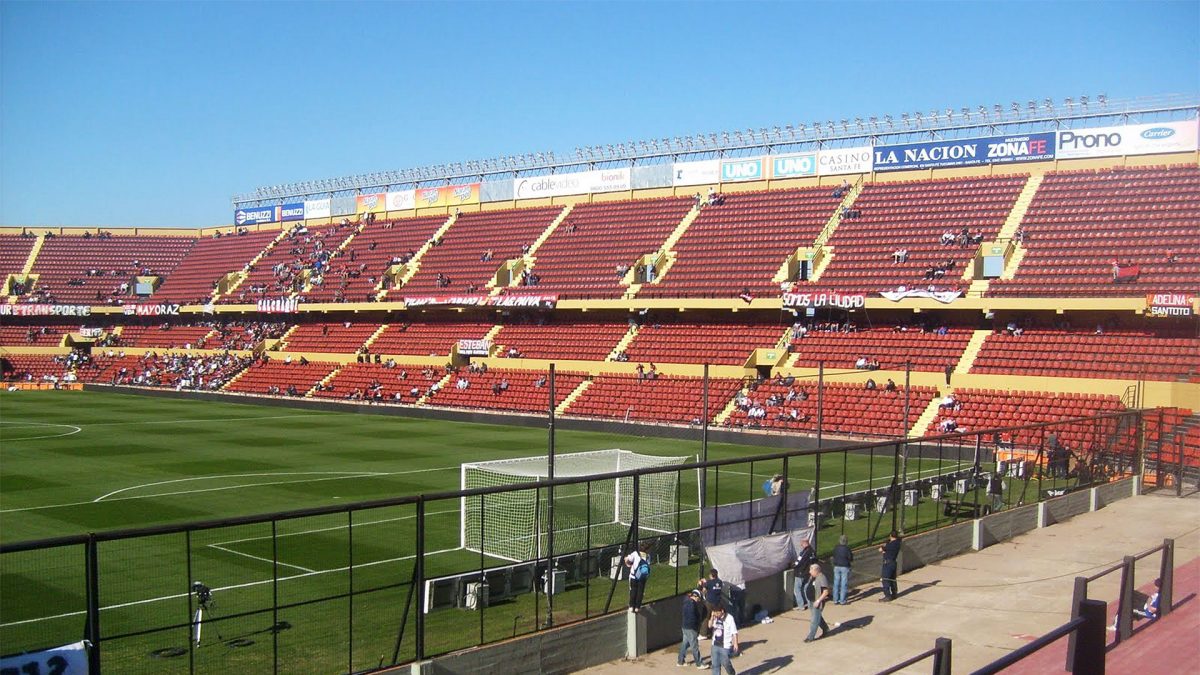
153 114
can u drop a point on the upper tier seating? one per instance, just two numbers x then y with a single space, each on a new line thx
164 336
330 337
14 251
35 336
359 381
282 270
989 408
914 216
1056 353
849 409
740 244
583 341
260 377
927 351
1080 222
236 335
355 272
522 394
427 339
673 400
715 344
194 280
581 257
459 256
100 269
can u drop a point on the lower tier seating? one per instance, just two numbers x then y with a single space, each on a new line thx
1127 355
849 409
583 341
927 351
717 344
990 408
674 400
499 389
278 377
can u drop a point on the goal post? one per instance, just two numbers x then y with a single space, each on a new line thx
513 525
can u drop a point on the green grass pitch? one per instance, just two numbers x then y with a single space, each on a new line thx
78 462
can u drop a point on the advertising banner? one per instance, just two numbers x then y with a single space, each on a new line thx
447 195
539 301
581 183
793 166
45 310
736 170
703 172
68 660
1134 139
316 208
1170 304
401 201
965 152
150 310
278 305
344 205
290 212
474 347
651 176
845 160
254 215
375 202
823 300
91 332
944 297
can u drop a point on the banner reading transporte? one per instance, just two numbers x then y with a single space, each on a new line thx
1170 304
375 202
45 310
965 152
69 659
403 200
317 208
447 195
1133 139
579 183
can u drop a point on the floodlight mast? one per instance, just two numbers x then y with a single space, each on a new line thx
1031 116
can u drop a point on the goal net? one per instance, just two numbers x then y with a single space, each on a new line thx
514 524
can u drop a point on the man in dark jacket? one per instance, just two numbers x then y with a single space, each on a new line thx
890 551
692 613
804 560
843 557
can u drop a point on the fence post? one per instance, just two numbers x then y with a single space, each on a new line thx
1089 649
1166 578
92 559
419 579
1125 610
704 441
941 660
1078 595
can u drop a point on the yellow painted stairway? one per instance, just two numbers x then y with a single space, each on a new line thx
410 270
1013 223
281 344
561 408
324 381
971 352
666 251
927 417
727 411
33 254
375 336
243 274
623 343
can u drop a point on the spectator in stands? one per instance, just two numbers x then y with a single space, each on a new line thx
462 383
900 255
890 386
948 425
870 385
948 402
947 238
1172 257
861 363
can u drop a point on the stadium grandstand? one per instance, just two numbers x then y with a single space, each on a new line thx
848 285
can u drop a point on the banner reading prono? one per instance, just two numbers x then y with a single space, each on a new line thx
704 172
579 183
254 215
735 170
447 195
965 152
69 659
1170 304
375 202
317 208
45 310
793 166
474 347
278 305
845 160
290 212
403 200
1134 139
539 301
823 300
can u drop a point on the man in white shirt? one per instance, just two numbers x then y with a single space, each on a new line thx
724 640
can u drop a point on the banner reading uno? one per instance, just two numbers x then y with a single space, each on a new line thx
965 152
1170 304
823 300
697 173
845 160
317 208
447 195
794 166
736 170
290 212
1134 139
373 203
254 215
403 200
580 183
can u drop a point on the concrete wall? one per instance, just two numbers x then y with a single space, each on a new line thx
562 650
923 549
1005 525
1061 508
1111 492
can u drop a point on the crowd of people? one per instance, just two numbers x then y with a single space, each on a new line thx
180 371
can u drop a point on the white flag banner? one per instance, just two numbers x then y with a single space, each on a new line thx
69 659
945 297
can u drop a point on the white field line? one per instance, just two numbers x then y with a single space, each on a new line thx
881 477
318 530
256 557
343 474
6 423
248 584
205 420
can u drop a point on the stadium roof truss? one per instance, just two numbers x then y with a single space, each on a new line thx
998 119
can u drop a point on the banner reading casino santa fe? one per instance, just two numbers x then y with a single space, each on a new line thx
1133 139
579 183
965 152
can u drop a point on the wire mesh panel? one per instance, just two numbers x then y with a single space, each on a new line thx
43 598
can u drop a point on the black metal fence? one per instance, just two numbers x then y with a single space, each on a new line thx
358 587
